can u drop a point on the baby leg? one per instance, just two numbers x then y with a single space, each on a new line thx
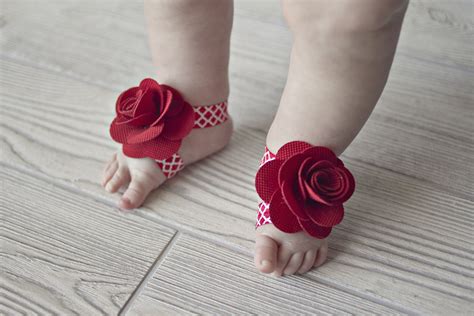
340 61
189 42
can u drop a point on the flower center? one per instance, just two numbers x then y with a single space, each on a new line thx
327 182
129 104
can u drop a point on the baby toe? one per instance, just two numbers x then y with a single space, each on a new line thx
322 255
265 253
137 191
110 162
109 171
294 263
120 177
308 261
284 254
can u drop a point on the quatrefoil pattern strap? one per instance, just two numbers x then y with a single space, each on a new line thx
204 116
171 166
210 115
263 213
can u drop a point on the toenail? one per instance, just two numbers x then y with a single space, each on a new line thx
265 263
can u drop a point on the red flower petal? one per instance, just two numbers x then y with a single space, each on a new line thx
326 182
326 216
149 83
163 107
119 132
147 104
179 126
281 215
314 230
302 171
321 153
291 148
349 185
319 165
124 96
315 196
295 203
330 183
176 104
289 169
139 121
144 135
266 180
157 148
158 93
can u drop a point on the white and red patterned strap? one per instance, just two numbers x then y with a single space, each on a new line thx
263 213
204 116
171 166
210 115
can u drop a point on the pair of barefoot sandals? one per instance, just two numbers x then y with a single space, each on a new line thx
302 187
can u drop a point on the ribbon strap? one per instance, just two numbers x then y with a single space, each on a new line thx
204 116
263 213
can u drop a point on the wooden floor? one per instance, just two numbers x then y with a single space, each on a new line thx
405 246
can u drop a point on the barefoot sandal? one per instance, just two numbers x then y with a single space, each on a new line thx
152 120
204 116
303 188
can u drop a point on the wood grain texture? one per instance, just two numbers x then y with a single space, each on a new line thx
63 253
429 88
407 239
198 277
399 221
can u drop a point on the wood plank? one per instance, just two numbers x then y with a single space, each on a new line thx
65 253
200 277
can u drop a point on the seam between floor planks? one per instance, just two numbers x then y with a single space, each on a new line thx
226 261
149 275
72 264
181 228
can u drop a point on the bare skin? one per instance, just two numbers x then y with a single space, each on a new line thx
191 53
340 60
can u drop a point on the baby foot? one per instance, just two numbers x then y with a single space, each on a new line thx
281 253
143 174
302 188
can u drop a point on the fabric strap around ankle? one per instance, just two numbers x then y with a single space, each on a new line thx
204 116
263 214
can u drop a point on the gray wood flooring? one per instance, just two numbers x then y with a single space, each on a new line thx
405 246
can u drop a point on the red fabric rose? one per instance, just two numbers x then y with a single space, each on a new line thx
151 120
305 186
